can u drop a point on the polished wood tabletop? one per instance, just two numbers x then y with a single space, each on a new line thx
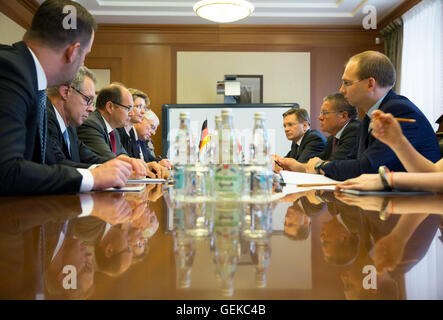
307 245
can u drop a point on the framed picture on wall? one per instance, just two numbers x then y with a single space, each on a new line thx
251 89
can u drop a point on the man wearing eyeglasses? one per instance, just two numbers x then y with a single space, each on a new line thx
128 134
367 84
113 109
338 118
68 107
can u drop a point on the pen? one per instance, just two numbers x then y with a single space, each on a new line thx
400 119
316 184
404 120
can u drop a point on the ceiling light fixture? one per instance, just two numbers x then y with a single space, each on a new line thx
223 11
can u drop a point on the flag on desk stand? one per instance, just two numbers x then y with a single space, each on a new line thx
204 135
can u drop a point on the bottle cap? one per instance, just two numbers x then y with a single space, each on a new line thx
184 115
226 112
259 116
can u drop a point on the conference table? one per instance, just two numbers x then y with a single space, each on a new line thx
312 244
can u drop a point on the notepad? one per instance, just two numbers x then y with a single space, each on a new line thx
299 178
146 181
137 188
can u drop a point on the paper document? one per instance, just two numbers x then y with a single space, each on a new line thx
146 181
299 178
137 188
293 188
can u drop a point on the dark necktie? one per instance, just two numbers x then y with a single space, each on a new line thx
363 135
42 122
68 143
139 150
295 151
113 144
334 145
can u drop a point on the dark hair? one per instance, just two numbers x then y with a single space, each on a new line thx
112 92
339 103
376 65
47 25
300 113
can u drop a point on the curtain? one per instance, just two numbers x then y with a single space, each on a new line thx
422 68
393 35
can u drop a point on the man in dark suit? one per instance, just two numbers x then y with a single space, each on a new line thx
306 143
367 82
144 131
128 134
49 55
113 109
68 107
338 118
114 106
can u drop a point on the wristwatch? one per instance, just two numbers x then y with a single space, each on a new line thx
318 165
383 170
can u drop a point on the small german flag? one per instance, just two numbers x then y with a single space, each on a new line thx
204 136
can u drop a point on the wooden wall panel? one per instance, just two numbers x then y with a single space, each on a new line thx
148 53
20 11
144 67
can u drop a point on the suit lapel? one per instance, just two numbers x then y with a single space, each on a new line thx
75 156
101 121
362 144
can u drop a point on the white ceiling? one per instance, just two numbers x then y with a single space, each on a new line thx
267 12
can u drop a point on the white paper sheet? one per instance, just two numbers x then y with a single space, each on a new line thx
297 178
146 181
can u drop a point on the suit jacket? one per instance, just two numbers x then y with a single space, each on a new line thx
129 142
372 153
312 144
94 134
148 155
21 171
346 143
80 155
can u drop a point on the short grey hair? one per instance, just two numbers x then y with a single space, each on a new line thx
150 115
78 81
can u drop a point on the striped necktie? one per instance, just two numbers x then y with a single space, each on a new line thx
42 122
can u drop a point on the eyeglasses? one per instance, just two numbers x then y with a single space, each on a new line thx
347 83
325 113
141 107
128 108
141 243
88 100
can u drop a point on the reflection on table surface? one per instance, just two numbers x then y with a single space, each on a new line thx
307 245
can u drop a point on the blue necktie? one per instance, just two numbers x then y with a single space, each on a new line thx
42 123
68 143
